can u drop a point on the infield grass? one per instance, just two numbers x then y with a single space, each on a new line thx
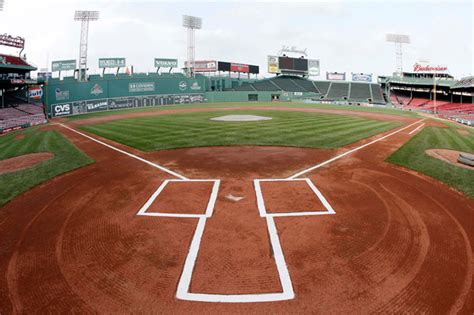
66 157
412 155
295 129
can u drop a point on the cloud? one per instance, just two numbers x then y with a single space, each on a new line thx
344 35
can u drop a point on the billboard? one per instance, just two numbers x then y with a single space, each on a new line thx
112 62
44 76
273 66
336 76
313 67
166 63
141 87
238 67
421 67
35 92
63 65
204 65
364 77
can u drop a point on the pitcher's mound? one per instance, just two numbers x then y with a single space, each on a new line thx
21 162
240 118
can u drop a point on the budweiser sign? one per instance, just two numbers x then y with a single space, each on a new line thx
429 68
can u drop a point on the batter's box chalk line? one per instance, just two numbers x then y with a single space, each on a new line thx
261 200
183 290
209 208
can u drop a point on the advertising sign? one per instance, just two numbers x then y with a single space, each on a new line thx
427 68
62 110
204 65
364 77
112 62
335 76
35 92
141 87
166 63
44 76
313 67
61 95
273 66
238 67
63 65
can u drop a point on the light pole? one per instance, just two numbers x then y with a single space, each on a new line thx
398 40
191 23
84 17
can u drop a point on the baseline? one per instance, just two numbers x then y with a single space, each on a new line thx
127 153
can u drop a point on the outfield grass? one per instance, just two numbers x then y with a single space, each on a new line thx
382 110
296 129
412 155
66 157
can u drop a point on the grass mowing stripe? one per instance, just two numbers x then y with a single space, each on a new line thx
195 129
412 155
66 157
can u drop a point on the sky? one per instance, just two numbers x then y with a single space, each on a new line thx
346 36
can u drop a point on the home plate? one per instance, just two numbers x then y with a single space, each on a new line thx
241 118
234 198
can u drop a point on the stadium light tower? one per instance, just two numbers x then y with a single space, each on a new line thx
191 23
84 17
398 40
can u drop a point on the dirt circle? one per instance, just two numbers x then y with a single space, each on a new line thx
22 162
19 136
449 156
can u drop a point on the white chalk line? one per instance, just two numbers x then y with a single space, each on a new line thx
261 202
209 209
127 153
186 276
352 151
414 130
183 289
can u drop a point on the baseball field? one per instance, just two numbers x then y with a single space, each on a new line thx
164 210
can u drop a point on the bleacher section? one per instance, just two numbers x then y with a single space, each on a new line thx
360 91
265 85
322 86
377 94
323 90
338 91
287 84
306 85
23 115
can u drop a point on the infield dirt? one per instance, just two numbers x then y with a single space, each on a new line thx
399 241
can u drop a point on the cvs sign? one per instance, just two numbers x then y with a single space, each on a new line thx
62 110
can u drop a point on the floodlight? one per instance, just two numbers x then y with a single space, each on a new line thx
86 15
398 40
192 22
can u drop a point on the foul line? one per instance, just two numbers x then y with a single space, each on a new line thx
352 151
126 153
414 130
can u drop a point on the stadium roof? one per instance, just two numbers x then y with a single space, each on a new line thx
14 63
419 81
464 83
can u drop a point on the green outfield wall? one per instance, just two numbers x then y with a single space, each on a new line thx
69 97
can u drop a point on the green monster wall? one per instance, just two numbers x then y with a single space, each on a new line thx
68 97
